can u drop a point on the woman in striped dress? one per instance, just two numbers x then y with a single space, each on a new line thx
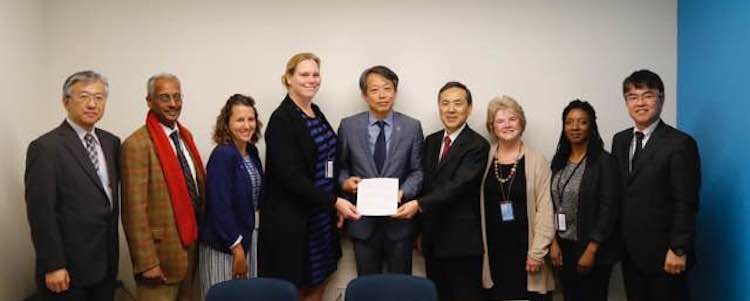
233 187
298 237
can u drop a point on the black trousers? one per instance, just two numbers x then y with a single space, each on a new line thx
661 286
456 279
102 291
591 286
370 254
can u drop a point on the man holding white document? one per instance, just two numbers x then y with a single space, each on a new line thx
379 161
454 159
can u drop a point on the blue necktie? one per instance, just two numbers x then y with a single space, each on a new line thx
379 154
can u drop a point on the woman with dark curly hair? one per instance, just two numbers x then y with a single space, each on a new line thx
234 178
583 184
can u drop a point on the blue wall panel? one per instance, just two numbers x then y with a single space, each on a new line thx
713 105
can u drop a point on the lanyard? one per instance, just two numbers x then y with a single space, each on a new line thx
561 190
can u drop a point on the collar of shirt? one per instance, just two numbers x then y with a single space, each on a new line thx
388 119
168 131
646 132
455 134
81 132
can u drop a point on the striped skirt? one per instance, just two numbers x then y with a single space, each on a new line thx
216 266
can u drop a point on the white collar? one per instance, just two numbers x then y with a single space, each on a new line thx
648 130
455 134
168 130
80 131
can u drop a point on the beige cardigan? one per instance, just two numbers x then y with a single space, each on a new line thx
540 217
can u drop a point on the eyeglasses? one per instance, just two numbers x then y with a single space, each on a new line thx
86 98
166 97
646 97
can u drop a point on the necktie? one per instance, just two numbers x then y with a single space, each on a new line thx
446 147
192 189
379 154
91 150
638 149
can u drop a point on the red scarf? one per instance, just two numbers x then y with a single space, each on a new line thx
182 205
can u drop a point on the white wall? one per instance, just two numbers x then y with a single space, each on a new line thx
542 52
21 63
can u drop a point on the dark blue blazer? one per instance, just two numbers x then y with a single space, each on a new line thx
229 198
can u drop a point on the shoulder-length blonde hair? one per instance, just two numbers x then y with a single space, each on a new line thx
291 65
503 103
222 135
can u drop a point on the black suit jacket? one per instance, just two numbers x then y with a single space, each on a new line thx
290 196
450 195
660 196
72 223
598 207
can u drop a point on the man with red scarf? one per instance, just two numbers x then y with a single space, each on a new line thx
162 193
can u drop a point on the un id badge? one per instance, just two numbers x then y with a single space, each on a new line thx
562 225
329 169
506 211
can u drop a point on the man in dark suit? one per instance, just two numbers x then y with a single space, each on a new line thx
660 171
381 143
72 197
454 159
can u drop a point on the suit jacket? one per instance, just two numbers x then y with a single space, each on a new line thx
404 161
598 207
290 196
450 197
147 216
660 196
229 198
72 223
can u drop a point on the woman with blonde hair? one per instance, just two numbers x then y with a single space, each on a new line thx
298 215
516 211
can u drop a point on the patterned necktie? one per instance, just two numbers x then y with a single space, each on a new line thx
192 189
379 154
638 149
91 150
446 147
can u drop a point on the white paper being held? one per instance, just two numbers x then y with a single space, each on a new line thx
377 196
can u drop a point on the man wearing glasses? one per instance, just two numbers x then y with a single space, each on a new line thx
660 171
72 194
163 185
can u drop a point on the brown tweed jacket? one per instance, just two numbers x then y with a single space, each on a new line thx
147 215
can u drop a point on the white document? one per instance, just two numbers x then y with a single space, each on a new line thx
377 196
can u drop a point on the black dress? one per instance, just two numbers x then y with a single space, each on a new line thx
507 241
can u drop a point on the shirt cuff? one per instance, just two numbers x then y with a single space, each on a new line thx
236 242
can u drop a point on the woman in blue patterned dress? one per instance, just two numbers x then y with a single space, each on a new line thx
298 237
234 178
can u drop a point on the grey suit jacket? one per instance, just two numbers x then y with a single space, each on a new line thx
403 161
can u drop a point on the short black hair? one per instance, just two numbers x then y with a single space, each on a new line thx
455 84
379 70
643 79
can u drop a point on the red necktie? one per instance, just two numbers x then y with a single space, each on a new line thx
446 147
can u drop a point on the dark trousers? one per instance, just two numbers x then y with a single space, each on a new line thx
591 286
102 291
370 254
661 286
456 279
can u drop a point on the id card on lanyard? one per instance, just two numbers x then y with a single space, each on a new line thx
506 212
329 169
560 217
